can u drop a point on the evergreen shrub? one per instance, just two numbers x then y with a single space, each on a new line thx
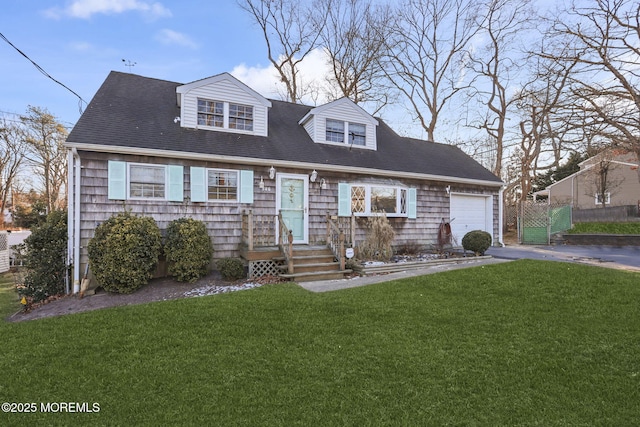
124 251
188 249
45 258
477 241
231 268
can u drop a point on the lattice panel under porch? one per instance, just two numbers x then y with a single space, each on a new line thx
263 268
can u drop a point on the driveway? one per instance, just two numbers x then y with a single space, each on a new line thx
624 257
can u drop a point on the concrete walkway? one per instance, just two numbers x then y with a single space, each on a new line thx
622 258
334 285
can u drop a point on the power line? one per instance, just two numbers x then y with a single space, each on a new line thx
39 68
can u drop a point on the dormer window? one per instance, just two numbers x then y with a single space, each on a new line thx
210 113
335 131
341 131
225 115
357 134
240 117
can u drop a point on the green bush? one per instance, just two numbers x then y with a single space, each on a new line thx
477 241
188 249
45 258
231 268
124 252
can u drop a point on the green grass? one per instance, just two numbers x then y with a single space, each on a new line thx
606 228
9 301
519 343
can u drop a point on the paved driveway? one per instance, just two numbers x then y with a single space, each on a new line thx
625 257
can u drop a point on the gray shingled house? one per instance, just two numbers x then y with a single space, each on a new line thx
264 173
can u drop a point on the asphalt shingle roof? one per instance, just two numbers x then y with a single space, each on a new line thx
134 111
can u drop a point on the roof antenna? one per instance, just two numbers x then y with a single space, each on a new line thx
129 64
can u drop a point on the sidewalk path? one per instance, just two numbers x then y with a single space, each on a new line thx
334 285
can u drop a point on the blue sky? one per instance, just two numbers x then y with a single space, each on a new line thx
79 42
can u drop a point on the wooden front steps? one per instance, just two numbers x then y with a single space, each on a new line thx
312 263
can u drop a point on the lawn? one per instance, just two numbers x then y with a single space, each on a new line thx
519 343
606 228
9 302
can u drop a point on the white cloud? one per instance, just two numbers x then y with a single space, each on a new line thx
81 46
170 37
85 9
265 80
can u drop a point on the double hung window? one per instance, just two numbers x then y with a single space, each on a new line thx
144 181
147 181
222 185
345 132
210 113
335 131
225 115
240 117
357 134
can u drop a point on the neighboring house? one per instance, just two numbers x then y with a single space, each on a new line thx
249 167
583 189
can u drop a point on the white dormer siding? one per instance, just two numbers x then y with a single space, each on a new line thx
228 92
345 111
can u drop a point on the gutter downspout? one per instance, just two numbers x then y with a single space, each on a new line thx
75 211
67 286
501 215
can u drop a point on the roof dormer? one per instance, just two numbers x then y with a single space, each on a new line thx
223 103
341 122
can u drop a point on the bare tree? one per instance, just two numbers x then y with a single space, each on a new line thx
11 154
498 63
428 49
44 137
354 38
540 132
604 36
602 182
291 30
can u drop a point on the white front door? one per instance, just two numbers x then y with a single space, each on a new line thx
292 199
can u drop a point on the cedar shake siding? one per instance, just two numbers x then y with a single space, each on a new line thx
134 120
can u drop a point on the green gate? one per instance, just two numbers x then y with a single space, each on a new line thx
538 221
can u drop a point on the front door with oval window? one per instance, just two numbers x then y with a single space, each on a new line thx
292 200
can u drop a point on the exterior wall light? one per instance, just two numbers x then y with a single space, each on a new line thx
272 172
314 176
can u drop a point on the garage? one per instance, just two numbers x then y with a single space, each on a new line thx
470 212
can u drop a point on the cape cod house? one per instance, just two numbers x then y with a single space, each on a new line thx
262 173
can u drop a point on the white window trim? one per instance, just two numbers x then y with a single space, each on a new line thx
225 117
367 210
607 200
166 181
206 184
346 137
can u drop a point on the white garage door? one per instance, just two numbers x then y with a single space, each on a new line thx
470 213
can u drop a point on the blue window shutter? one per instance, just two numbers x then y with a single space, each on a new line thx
198 185
412 203
246 186
344 199
117 173
176 183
